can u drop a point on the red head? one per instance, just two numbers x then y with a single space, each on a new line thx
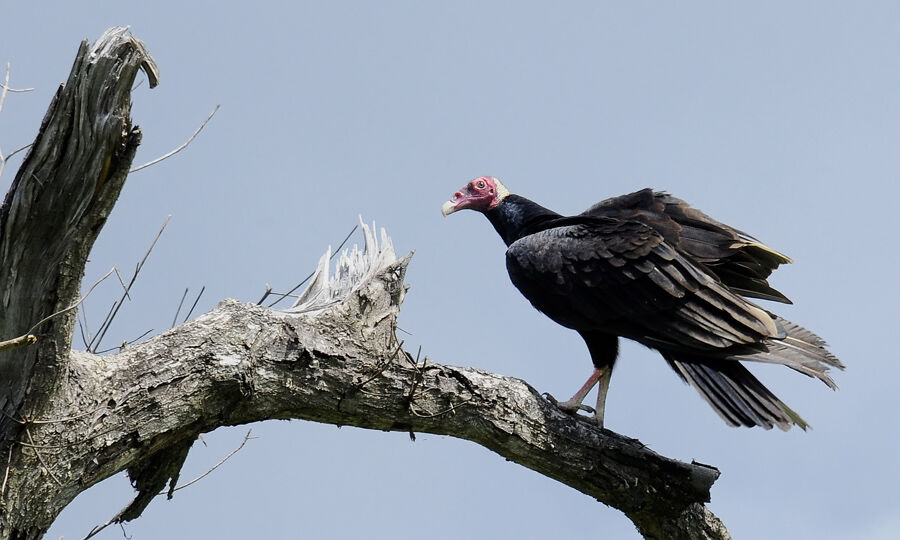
481 194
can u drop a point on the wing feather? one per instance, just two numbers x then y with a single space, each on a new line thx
623 275
741 262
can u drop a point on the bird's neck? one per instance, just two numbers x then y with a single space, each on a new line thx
517 216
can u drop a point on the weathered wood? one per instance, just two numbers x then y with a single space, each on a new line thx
74 418
342 365
56 206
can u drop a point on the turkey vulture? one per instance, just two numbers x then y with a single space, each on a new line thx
648 267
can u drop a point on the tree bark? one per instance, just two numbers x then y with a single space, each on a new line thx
56 206
73 418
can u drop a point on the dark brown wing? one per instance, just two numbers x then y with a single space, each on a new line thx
622 276
740 261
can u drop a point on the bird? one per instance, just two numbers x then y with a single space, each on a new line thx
648 267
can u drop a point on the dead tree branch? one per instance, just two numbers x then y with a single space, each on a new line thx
312 366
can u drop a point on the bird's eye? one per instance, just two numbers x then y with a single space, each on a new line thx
480 184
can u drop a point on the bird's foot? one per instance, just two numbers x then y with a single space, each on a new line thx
571 406
597 420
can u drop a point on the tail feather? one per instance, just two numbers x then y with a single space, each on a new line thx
800 350
734 393
739 397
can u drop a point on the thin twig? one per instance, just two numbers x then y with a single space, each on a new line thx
2 99
5 88
17 150
69 444
73 306
180 148
450 409
124 343
17 342
186 317
28 338
16 90
137 270
5 85
247 437
83 327
41 458
265 294
48 446
102 324
66 418
122 282
307 278
177 311
6 475
379 368
4 159
115 518
98 528
281 296
417 376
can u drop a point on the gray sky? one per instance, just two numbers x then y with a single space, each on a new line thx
782 120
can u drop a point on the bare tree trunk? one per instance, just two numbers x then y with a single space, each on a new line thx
73 418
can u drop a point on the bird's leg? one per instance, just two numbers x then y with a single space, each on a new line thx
602 389
574 404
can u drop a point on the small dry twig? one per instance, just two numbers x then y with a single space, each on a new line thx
28 338
247 437
105 326
265 294
194 305
41 458
180 148
53 420
177 311
307 278
4 159
98 528
17 342
6 475
115 518
451 408
122 282
417 376
7 89
125 343
83 327
378 369
19 149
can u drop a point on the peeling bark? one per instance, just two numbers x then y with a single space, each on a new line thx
74 418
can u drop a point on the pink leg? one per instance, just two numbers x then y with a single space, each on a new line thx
602 389
574 403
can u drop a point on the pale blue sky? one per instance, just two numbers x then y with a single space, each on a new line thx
780 119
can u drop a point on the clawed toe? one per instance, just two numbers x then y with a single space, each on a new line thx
570 406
